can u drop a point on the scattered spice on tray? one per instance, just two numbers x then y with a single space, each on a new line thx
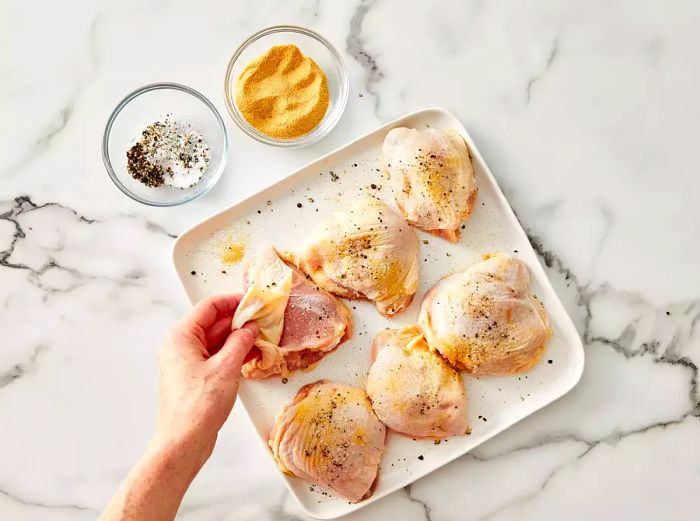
234 253
283 93
169 153
232 248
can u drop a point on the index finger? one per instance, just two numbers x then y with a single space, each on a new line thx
209 309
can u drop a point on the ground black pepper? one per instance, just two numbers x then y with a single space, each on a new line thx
142 169
168 153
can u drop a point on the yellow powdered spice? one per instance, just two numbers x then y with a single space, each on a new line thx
233 253
233 248
283 93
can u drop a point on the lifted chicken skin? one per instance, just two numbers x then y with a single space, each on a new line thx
299 322
365 250
330 436
412 389
484 319
432 177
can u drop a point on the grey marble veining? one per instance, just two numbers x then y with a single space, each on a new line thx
587 113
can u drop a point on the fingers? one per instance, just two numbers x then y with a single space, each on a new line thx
217 334
208 310
239 342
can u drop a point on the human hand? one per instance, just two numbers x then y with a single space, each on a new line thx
200 369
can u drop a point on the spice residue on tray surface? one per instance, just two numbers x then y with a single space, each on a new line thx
233 253
283 93
233 249
170 153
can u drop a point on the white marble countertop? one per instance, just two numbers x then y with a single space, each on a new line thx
587 113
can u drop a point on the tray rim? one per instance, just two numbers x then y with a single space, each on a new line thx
577 349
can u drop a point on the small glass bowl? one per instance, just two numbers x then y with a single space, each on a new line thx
148 105
310 44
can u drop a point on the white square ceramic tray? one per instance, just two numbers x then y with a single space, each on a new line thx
273 216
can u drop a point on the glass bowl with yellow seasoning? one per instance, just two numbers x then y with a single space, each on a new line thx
286 86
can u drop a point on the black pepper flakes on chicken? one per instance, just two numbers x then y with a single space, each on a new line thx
432 178
413 390
485 320
363 251
330 436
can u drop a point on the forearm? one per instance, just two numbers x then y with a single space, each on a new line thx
154 488
200 366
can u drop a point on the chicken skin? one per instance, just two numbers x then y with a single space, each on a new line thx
330 436
412 389
299 322
365 250
432 177
484 320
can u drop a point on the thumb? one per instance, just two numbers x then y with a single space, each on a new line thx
238 343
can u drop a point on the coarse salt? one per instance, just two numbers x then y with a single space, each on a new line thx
176 150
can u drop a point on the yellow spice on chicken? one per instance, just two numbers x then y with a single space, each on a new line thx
484 320
365 250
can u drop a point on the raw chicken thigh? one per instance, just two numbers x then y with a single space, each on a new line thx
366 251
432 177
330 436
484 319
299 322
412 389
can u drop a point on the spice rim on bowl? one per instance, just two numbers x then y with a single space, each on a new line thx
311 44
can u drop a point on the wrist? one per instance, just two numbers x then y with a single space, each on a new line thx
156 485
185 454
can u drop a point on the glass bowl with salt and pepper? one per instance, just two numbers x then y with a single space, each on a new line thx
165 144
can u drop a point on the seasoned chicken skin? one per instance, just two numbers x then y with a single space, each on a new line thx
330 436
412 389
299 322
365 250
484 319
432 177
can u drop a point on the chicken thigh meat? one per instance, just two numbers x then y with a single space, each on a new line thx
365 250
330 436
412 389
299 322
484 319
432 177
